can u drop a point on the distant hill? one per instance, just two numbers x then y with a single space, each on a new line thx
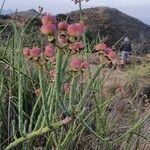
29 13
114 24
7 11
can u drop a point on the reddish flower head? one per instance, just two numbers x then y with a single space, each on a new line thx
100 47
26 52
81 26
35 52
66 87
112 55
75 30
63 26
75 64
107 50
75 47
49 51
48 19
48 29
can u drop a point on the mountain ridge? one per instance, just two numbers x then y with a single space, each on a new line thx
113 23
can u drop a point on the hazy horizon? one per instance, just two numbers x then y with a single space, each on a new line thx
133 8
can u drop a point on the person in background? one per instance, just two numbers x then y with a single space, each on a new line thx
125 50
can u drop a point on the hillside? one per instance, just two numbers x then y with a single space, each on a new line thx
29 13
113 23
105 21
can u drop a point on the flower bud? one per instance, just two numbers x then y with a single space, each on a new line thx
35 52
107 50
76 46
75 30
48 19
100 47
112 55
63 26
26 52
48 29
49 51
75 64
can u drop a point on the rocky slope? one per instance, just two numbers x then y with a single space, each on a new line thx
114 24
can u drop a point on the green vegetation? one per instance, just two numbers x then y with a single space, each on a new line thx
63 104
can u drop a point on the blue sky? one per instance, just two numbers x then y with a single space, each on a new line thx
135 8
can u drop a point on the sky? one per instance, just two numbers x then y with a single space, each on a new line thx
136 8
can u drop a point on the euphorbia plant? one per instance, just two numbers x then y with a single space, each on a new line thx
61 108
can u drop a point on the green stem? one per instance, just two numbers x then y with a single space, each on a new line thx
93 132
32 115
140 122
39 132
39 120
80 10
89 84
58 82
65 64
44 98
72 92
17 70
40 116
54 126
20 105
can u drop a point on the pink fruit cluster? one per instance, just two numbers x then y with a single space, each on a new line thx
76 64
76 46
60 35
76 30
48 25
107 51
49 53
31 52
63 26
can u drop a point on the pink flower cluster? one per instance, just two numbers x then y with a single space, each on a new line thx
62 35
107 51
49 53
48 25
76 46
76 30
76 64
31 52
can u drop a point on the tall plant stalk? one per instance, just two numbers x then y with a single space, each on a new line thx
2 6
